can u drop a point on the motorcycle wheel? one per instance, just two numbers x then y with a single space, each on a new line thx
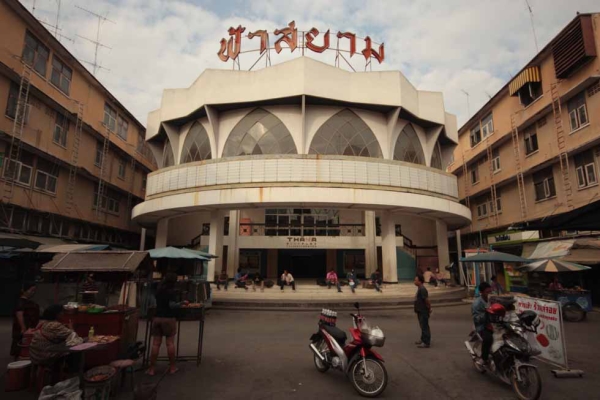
369 381
573 312
319 364
530 386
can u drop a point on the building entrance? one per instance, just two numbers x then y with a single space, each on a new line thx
303 263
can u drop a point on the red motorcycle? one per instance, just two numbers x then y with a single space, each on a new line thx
363 365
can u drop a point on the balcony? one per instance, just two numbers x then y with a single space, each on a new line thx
296 170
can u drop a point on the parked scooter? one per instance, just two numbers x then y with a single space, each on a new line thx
363 366
511 352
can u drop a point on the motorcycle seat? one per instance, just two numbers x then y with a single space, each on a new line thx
338 334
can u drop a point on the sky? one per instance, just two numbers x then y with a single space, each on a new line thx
452 46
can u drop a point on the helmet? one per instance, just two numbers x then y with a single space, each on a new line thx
529 318
496 312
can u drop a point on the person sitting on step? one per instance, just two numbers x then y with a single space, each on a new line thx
430 277
223 280
240 279
376 280
287 280
332 279
352 280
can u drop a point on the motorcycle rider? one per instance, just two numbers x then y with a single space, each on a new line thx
481 322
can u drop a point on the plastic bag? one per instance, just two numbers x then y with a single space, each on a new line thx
65 390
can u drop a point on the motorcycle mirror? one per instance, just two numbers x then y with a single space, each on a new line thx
357 306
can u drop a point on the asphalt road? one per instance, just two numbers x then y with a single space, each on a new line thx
265 355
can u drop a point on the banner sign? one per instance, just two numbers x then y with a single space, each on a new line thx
550 338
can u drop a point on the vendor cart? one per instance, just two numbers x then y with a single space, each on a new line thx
576 303
113 318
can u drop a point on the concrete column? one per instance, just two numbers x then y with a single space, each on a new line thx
459 252
233 250
442 247
143 239
162 231
388 248
371 248
215 245
272 255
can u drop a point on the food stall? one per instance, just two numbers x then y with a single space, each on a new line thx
110 320
576 302
479 268
191 286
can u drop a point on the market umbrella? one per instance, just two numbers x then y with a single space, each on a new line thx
175 253
202 253
554 265
495 256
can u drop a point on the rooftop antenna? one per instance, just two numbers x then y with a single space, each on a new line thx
57 19
57 35
96 42
468 107
488 95
537 50
33 8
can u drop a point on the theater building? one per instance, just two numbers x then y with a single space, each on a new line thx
306 167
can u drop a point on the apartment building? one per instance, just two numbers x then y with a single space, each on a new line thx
533 150
74 160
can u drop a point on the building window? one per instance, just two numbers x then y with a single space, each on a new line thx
259 132
13 101
531 142
122 168
168 156
61 127
196 146
35 54
482 210
61 75
487 126
346 134
110 118
475 175
98 158
46 176
122 127
475 136
408 147
496 161
19 172
530 92
585 168
543 182
108 202
578 112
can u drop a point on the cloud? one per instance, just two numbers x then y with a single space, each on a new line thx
467 45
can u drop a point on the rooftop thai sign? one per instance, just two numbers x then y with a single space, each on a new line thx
293 39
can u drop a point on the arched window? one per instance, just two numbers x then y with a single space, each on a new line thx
259 132
436 157
408 147
168 157
196 146
345 134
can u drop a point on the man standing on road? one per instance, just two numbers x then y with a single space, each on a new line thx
423 310
481 322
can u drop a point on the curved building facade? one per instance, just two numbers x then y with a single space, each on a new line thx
306 167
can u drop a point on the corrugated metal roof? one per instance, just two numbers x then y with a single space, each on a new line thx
96 261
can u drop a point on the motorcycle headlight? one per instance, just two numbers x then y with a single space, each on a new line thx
517 343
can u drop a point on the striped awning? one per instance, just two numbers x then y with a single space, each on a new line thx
531 74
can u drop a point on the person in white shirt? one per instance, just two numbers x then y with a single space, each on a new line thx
429 276
287 280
